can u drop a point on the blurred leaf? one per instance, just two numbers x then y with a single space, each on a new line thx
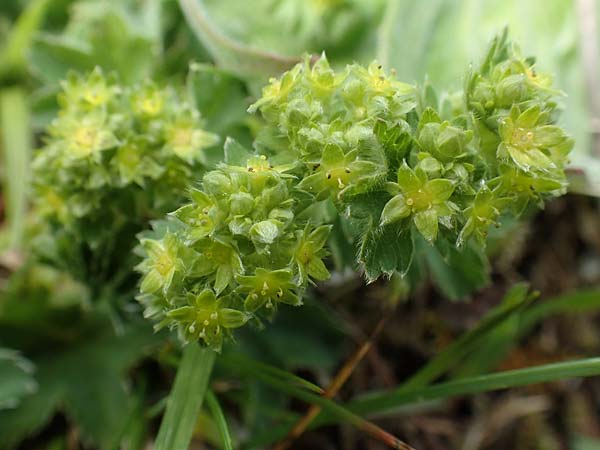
86 382
439 38
456 272
14 51
584 176
110 35
406 34
221 97
248 62
286 344
16 378
185 399
584 443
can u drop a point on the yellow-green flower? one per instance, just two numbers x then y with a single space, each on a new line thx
161 265
267 288
205 318
426 201
530 143
187 140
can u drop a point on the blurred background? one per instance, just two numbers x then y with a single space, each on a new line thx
67 385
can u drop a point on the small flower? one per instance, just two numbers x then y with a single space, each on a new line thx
275 94
161 265
310 252
217 260
338 172
425 200
133 166
95 91
205 318
83 137
186 139
202 216
382 84
530 144
528 185
482 213
149 101
267 288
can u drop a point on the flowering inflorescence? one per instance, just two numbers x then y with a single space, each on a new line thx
236 252
115 157
359 149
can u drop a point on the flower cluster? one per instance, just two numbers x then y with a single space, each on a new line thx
237 251
360 150
115 157
514 110
360 133
329 121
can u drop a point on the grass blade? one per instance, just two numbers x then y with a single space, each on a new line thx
185 399
219 418
332 408
386 401
244 365
514 301
496 345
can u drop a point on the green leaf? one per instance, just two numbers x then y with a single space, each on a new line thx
386 250
16 378
232 55
219 96
387 401
219 418
90 373
235 154
185 399
495 346
457 272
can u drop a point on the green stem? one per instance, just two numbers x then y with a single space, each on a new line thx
185 399
16 146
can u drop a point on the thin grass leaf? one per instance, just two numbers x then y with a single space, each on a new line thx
386 401
16 148
249 366
495 346
332 408
219 418
513 303
185 399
